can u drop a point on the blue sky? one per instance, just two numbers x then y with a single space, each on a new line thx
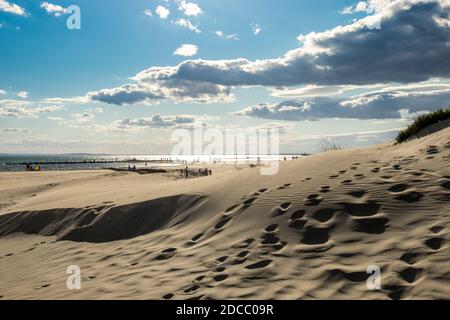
93 89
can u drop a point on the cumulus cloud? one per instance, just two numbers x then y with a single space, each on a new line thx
83 117
162 12
18 109
376 105
148 12
256 28
186 50
53 9
15 130
222 35
155 121
189 8
361 6
412 46
22 94
151 94
13 8
2 92
186 24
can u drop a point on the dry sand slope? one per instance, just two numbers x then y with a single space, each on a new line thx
309 232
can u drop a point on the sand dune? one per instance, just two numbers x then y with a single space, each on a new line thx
309 232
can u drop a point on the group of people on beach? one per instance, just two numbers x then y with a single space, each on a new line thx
200 172
31 167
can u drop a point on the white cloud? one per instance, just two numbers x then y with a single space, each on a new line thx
222 35
2 92
155 121
83 117
148 12
396 104
13 8
23 94
186 24
162 12
53 9
256 28
21 109
411 47
7 130
189 8
186 50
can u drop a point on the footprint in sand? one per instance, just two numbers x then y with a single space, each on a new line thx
410 197
298 214
259 265
249 202
197 237
357 193
199 278
281 210
287 185
323 215
168 296
243 254
398 188
270 240
166 254
347 182
222 223
436 229
232 208
410 274
325 189
315 236
371 225
222 259
432 150
246 243
366 217
362 209
434 243
220 277
297 224
298 220
412 256
395 292
192 289
313 200
271 228
220 269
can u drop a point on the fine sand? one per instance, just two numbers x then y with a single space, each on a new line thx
308 232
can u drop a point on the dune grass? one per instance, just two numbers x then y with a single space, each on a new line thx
325 145
421 122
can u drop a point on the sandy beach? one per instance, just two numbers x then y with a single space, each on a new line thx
308 232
